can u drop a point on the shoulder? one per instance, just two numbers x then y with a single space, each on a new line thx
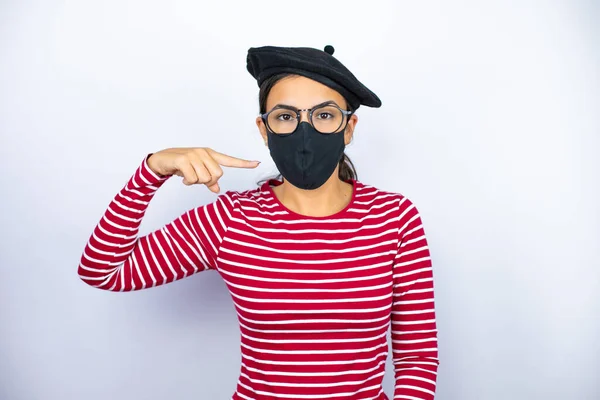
373 194
399 205
237 199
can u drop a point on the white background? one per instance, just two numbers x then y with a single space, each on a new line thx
490 124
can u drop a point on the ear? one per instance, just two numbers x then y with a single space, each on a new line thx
349 132
262 129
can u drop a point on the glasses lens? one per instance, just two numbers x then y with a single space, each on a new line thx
327 119
282 121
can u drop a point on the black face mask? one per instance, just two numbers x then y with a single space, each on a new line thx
305 157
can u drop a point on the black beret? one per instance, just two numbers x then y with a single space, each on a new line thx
319 65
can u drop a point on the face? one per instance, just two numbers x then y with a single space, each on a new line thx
301 92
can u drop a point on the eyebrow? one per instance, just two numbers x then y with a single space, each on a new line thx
281 105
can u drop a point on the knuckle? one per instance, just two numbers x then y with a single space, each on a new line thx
203 178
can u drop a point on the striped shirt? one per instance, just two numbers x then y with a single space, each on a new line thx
315 296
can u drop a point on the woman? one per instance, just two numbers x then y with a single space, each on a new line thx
318 264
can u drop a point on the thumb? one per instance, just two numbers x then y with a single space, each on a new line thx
214 188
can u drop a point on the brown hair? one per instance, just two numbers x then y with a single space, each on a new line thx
347 171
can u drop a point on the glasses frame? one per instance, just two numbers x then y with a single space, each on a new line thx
346 113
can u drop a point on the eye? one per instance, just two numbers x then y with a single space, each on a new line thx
285 116
324 115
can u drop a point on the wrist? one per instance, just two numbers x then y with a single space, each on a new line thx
152 165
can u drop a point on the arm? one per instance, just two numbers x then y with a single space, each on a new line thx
116 259
414 330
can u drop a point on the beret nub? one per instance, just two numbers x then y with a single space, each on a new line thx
321 66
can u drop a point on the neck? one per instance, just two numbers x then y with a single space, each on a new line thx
330 198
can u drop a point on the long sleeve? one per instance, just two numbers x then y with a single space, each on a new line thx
116 259
414 328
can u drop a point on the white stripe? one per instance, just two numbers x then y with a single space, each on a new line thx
97 261
377 396
412 272
413 282
115 235
416 369
312 301
308 251
420 350
146 264
313 311
328 231
412 241
414 291
313 321
259 211
318 363
312 385
419 389
328 271
381 196
307 396
411 220
203 227
312 241
125 208
169 242
406 332
417 378
243 396
166 260
143 203
411 262
218 214
411 361
116 214
310 341
313 261
110 254
424 321
125 245
305 281
315 352
117 226
374 206
433 339
326 331
197 249
139 273
412 312
409 252
317 374
320 290
137 193
319 221
122 276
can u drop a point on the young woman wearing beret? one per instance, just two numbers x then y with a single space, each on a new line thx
319 265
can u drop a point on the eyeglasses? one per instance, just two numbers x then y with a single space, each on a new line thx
325 118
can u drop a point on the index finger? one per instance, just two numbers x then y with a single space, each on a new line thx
229 161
